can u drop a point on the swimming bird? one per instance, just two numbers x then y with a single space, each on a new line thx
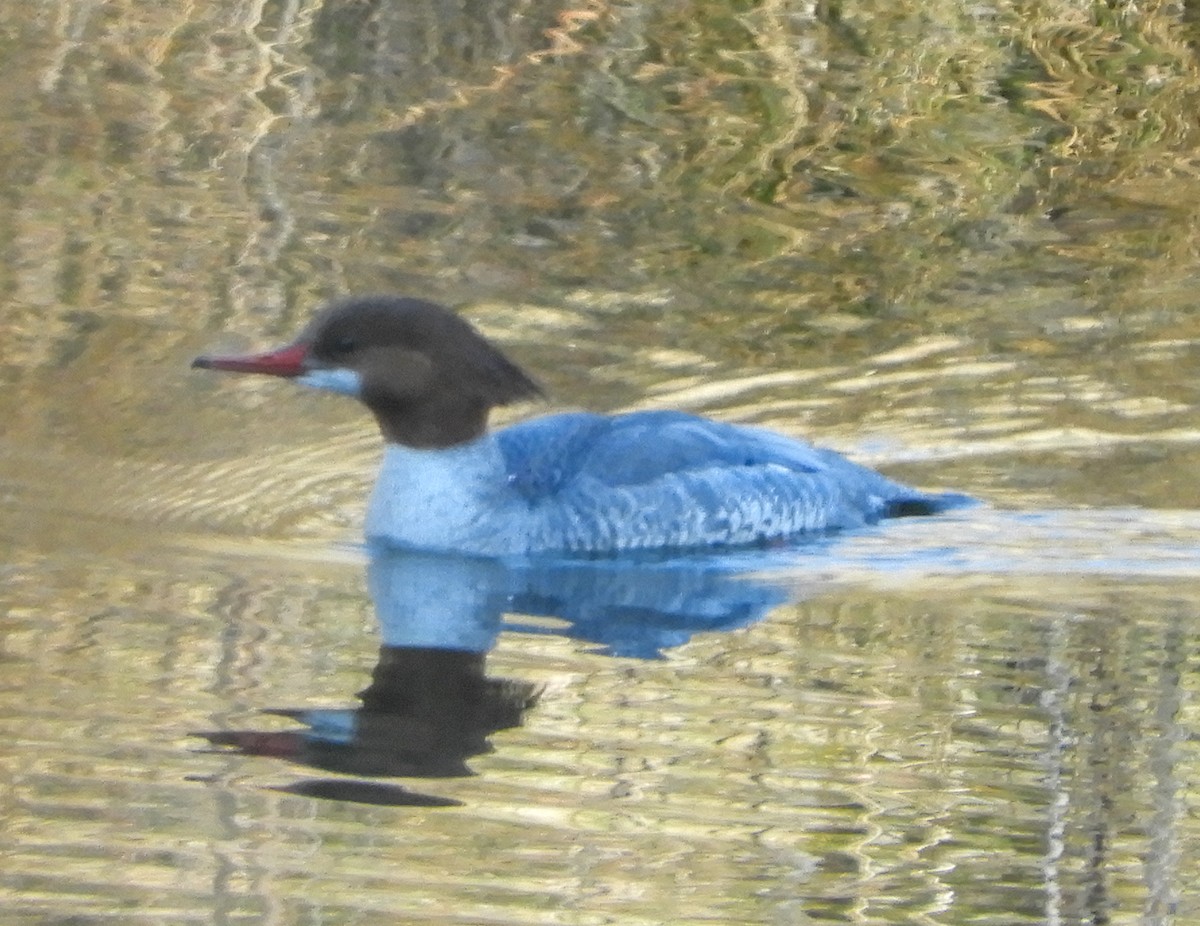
575 482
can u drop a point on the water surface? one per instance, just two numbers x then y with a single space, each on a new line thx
956 242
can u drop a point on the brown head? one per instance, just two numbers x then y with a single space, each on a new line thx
428 376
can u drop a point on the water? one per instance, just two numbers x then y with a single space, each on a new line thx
957 243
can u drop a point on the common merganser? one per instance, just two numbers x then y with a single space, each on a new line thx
564 483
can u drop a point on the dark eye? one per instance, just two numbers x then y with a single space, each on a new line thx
342 345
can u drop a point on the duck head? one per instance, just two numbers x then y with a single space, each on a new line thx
427 375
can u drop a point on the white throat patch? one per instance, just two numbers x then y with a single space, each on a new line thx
333 379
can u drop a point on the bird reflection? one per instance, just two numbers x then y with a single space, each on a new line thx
431 706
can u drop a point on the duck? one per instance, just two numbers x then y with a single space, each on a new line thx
565 483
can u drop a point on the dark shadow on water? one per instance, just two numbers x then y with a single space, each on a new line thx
431 705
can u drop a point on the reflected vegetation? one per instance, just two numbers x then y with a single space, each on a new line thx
995 194
957 240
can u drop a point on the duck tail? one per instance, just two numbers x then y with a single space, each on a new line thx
923 504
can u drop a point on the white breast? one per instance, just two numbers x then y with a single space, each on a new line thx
455 499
